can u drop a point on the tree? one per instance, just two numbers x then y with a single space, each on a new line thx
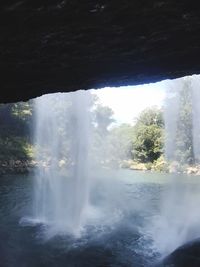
148 135
15 120
150 116
103 118
120 142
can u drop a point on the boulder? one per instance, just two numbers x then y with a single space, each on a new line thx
187 255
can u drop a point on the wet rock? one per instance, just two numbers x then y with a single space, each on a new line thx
138 166
193 170
187 255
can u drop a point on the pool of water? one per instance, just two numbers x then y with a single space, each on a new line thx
119 233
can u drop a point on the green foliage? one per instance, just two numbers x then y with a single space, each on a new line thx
148 136
160 165
22 110
151 116
15 148
15 121
139 146
142 142
120 140
103 118
117 144
149 165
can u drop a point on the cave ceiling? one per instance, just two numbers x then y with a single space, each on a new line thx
65 45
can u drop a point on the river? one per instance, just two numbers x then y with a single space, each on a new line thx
124 228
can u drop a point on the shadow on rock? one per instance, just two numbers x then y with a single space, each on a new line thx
187 255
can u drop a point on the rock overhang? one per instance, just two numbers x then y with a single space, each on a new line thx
66 45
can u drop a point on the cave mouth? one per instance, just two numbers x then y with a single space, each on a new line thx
101 174
68 45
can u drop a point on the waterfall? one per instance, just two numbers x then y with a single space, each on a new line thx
179 217
181 121
196 116
171 109
62 135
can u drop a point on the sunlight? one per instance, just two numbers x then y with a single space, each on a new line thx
128 101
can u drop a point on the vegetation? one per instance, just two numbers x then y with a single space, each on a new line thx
103 118
139 146
15 122
148 136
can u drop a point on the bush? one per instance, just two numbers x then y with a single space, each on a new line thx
16 148
160 165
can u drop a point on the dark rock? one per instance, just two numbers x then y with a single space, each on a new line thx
187 255
65 45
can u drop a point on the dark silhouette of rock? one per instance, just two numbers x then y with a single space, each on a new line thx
187 255
65 45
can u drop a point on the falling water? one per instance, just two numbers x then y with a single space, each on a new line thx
196 117
170 117
179 217
63 137
62 146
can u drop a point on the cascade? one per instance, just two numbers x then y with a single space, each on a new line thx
179 217
62 134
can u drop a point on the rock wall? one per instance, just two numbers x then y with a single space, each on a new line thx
65 45
187 255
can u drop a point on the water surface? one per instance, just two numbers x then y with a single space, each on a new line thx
120 232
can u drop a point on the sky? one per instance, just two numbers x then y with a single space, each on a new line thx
128 101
